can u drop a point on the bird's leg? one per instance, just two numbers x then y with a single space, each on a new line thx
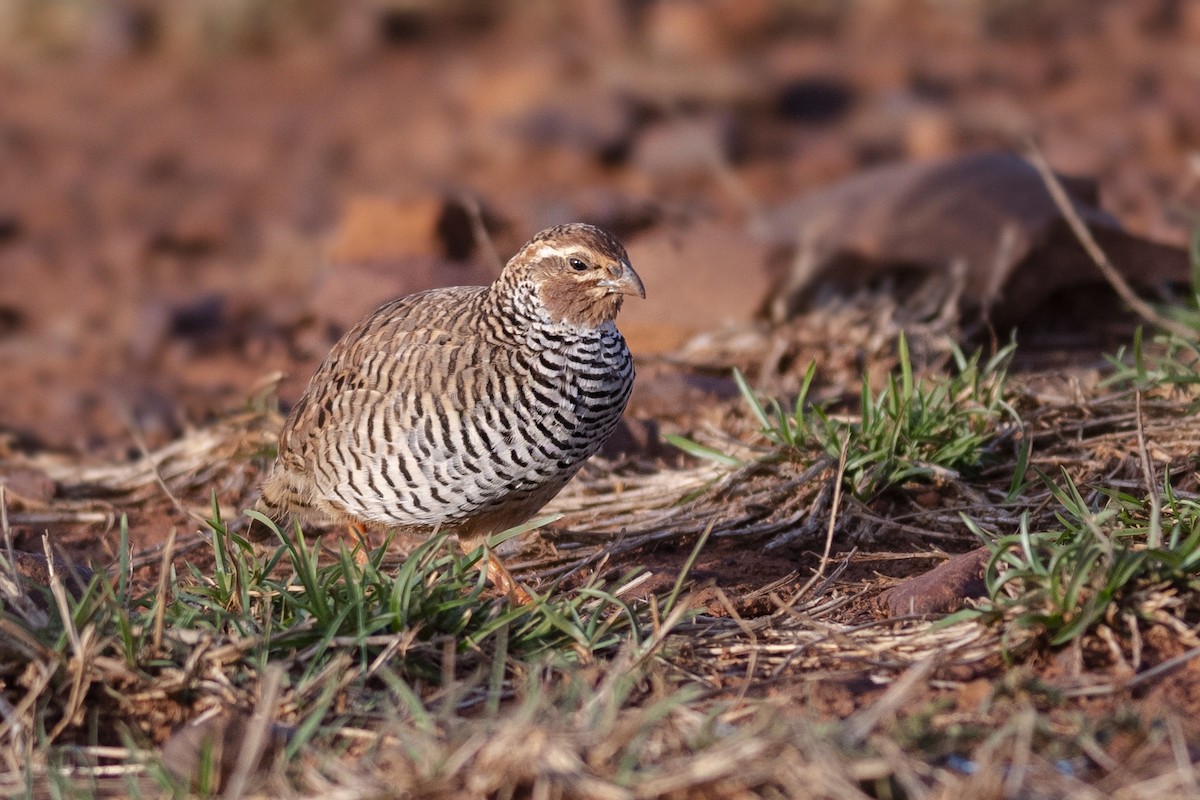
362 553
502 579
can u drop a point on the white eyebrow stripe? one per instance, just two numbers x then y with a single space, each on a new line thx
545 250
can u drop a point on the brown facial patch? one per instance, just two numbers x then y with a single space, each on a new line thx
577 301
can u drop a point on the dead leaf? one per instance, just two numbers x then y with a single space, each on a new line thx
942 589
987 214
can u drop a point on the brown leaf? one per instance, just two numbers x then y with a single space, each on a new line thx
989 212
942 589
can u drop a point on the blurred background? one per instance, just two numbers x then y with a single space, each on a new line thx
196 194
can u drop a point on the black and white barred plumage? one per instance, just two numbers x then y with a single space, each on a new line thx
466 408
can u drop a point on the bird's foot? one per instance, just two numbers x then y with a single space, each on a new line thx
362 550
502 579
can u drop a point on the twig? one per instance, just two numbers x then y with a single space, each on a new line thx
1154 540
59 593
257 731
833 515
13 596
860 725
1098 256
1160 669
160 598
752 661
1183 759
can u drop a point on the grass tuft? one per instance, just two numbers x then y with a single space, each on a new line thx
914 428
1168 363
1063 583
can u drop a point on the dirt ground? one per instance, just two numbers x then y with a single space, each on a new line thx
189 211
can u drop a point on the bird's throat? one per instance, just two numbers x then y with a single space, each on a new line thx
583 309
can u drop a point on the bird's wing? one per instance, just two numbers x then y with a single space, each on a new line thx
396 406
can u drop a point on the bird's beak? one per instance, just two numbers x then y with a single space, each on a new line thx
624 281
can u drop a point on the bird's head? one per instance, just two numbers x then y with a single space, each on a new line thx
580 273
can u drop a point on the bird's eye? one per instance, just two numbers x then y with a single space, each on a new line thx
577 265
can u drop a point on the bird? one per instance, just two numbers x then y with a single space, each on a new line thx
465 409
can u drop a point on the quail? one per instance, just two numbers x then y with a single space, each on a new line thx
465 409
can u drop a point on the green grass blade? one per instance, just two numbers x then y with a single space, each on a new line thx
701 451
